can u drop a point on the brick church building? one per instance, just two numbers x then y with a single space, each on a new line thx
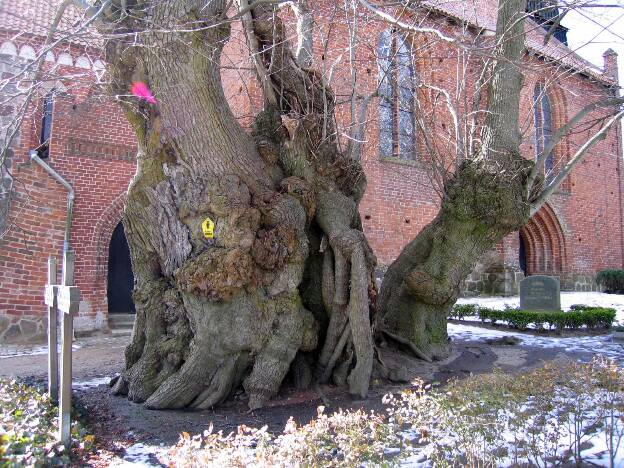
73 191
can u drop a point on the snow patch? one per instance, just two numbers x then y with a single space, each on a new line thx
139 455
601 344
21 351
92 383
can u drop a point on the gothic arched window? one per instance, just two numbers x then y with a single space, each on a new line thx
542 110
397 128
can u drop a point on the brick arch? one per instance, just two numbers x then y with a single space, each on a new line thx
103 232
544 243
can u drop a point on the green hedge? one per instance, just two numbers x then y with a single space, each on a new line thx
611 280
579 316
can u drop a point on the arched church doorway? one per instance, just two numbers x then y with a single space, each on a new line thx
542 249
120 277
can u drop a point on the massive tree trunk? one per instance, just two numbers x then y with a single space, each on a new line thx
287 279
485 200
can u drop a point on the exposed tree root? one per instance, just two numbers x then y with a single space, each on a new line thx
417 352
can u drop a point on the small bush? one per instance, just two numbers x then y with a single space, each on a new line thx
460 311
590 317
612 281
346 438
542 417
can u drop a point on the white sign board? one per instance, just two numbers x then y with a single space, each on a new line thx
68 298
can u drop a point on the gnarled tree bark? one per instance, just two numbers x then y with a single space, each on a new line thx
288 262
287 282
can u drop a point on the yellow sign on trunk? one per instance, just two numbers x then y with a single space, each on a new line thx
208 228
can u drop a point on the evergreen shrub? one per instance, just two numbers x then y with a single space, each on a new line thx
612 281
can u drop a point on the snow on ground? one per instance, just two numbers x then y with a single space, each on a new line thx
596 299
560 436
600 344
91 383
140 455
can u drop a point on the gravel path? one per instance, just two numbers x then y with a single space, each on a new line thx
96 356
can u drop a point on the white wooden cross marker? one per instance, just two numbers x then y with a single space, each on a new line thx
67 301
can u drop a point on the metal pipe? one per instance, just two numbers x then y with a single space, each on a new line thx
70 194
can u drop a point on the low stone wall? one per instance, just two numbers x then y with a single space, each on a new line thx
32 329
497 281
579 282
505 281
16 329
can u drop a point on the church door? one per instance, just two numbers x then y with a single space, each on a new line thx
120 277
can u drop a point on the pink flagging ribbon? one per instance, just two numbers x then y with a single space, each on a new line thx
141 90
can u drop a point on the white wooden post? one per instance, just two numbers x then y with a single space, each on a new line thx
66 381
68 302
50 300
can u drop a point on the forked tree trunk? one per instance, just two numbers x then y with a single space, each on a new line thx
215 313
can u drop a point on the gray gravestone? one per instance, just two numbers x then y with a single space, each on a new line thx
540 293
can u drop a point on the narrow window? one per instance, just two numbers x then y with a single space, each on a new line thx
46 126
543 127
396 97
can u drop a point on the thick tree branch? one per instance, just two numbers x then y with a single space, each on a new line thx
578 156
254 46
501 136
563 131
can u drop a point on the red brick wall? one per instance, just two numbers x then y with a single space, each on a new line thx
401 195
93 148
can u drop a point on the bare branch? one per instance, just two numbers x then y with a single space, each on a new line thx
578 156
356 138
563 131
451 108
407 27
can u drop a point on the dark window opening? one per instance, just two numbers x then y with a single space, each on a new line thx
522 255
120 276
43 149
397 126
